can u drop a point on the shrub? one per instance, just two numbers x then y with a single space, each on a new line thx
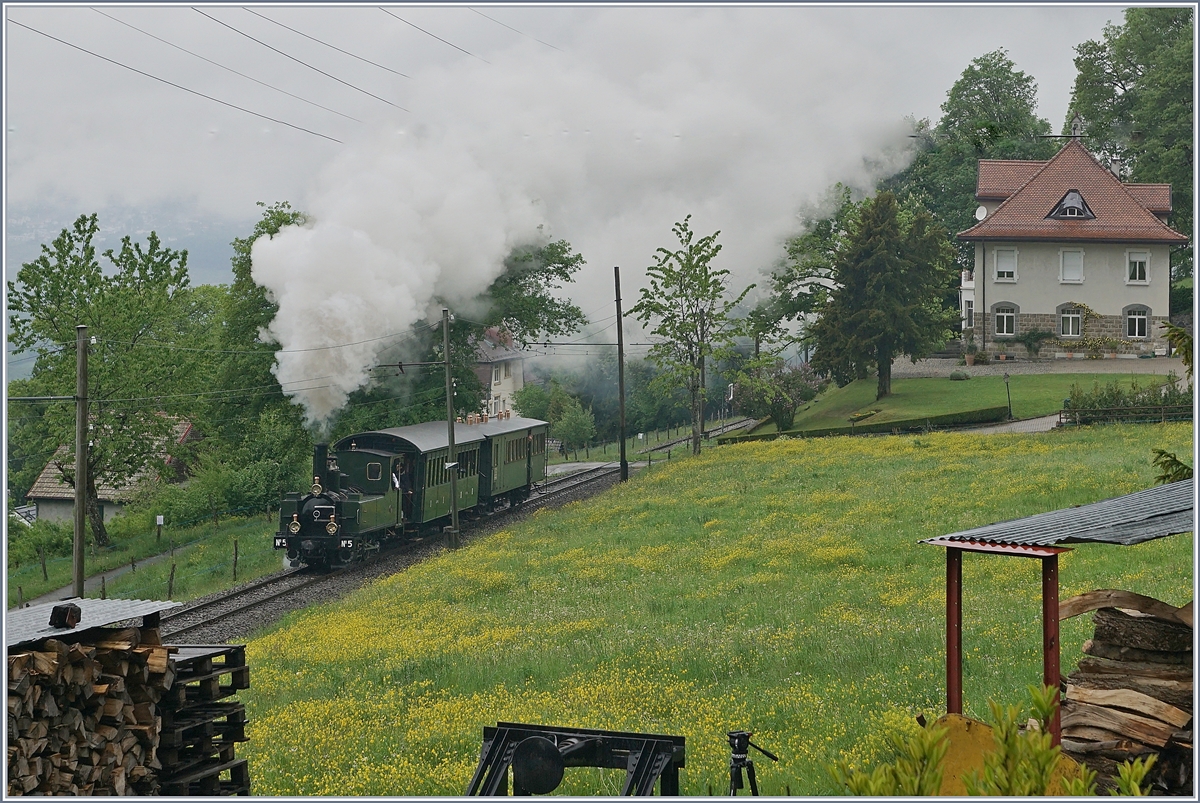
1115 396
959 376
1181 299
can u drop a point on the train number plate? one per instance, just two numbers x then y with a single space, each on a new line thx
280 542
346 543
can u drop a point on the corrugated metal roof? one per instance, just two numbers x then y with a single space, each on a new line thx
23 625
1130 519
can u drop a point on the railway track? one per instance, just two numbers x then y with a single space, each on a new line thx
239 612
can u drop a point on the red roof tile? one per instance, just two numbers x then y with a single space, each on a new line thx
1120 215
1000 178
1155 197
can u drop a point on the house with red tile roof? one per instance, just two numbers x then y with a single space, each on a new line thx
501 369
1065 247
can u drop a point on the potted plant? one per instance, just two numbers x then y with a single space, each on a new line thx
970 348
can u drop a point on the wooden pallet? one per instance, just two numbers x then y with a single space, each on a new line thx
206 779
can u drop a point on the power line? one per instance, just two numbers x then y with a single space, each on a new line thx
223 67
318 41
514 30
435 36
177 86
298 61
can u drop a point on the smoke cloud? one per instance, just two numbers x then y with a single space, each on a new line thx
736 119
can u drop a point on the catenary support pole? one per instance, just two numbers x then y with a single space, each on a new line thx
452 533
81 456
621 376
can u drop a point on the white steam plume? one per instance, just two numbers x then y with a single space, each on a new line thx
734 118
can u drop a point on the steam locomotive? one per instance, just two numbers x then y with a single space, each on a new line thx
386 484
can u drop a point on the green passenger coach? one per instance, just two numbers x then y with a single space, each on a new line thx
375 486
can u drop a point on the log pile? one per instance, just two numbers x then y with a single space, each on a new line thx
1131 694
113 711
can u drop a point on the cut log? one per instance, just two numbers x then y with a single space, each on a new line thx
1141 631
1134 727
1138 668
1103 649
1112 598
1131 701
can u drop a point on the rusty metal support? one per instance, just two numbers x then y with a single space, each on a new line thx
954 701
1051 670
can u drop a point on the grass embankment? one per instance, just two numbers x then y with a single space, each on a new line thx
203 559
1033 395
773 587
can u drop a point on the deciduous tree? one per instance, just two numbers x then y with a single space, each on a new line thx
145 320
687 299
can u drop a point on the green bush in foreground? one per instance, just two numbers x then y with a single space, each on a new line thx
1021 765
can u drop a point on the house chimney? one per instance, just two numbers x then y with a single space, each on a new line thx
1115 163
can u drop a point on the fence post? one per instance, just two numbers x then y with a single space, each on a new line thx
42 557
171 582
235 560
158 521
133 565
103 588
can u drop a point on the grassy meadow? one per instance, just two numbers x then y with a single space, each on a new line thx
773 587
1032 395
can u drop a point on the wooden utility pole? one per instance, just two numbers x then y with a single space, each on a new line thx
451 465
81 455
621 376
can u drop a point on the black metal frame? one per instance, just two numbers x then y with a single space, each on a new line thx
645 757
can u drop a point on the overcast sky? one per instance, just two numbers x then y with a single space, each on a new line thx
475 125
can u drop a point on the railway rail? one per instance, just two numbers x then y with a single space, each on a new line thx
241 611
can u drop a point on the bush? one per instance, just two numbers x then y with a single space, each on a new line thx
1181 299
1115 396
959 376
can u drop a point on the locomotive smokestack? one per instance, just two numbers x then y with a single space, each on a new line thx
320 462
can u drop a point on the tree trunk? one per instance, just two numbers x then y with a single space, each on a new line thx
95 516
700 412
883 359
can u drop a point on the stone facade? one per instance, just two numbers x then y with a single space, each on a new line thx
1097 326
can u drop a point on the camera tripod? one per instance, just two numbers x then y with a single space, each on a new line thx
739 745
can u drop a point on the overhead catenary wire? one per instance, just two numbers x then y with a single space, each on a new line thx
223 67
177 86
298 61
435 36
514 30
320 42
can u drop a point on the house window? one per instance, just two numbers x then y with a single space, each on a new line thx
1006 320
496 374
508 370
1070 322
1136 321
1139 267
1072 266
969 314
1006 264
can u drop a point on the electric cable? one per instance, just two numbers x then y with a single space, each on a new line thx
298 61
223 67
514 30
334 47
177 86
435 36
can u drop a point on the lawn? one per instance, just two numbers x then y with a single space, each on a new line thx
1032 395
773 587
203 555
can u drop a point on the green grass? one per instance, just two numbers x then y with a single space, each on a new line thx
204 558
1033 395
774 587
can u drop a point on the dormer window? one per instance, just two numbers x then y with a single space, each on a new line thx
1071 207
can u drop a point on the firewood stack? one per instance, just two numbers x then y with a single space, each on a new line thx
1131 695
113 711
82 716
